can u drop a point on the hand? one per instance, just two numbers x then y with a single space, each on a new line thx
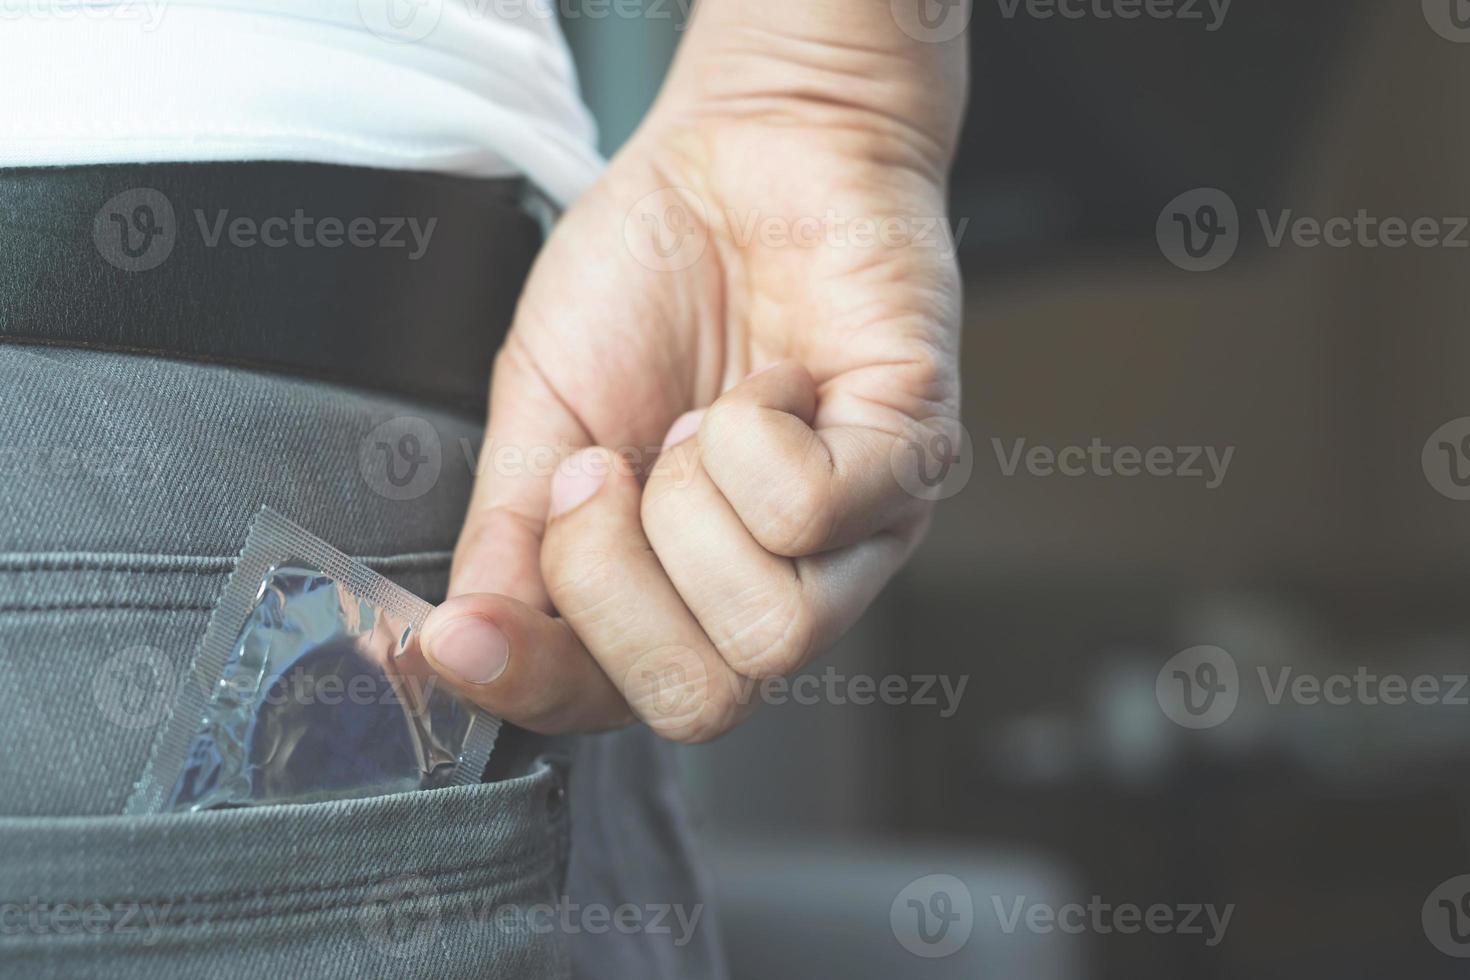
730 399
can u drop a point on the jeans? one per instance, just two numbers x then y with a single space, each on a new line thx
128 485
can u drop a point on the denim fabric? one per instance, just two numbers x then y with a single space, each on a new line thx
128 485
431 885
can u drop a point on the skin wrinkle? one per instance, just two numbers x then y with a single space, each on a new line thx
775 133
731 346
820 72
735 636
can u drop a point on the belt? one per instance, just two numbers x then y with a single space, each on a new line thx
393 281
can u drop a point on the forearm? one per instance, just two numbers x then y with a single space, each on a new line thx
847 64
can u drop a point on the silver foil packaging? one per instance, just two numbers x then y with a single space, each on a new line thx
310 685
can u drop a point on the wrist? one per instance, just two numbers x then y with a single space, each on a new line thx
845 67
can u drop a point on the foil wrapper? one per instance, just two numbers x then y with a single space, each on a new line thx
310 686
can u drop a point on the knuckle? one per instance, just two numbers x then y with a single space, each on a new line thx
664 495
726 421
932 370
679 699
795 521
776 642
577 581
784 498
715 717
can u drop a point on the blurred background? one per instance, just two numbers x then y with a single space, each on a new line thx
1075 768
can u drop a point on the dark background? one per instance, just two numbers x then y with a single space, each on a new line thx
1326 549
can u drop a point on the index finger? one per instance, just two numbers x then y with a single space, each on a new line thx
528 428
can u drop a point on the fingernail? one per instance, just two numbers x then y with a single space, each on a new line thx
471 649
758 371
683 428
576 479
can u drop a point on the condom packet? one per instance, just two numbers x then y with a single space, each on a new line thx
309 685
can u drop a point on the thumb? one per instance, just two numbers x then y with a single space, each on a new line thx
528 430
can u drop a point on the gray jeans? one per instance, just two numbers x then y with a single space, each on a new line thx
128 484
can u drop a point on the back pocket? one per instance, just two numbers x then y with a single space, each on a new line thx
444 883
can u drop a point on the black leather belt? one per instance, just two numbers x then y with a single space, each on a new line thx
400 282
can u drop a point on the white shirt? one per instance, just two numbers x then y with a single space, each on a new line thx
474 87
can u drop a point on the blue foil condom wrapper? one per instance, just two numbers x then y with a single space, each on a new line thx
310 685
